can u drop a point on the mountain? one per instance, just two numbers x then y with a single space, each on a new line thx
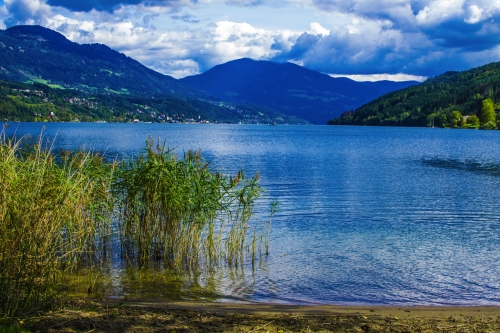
443 101
289 88
37 54
384 87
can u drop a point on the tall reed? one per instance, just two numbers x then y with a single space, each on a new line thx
50 217
180 211
57 211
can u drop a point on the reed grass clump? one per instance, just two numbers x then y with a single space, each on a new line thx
180 211
60 211
51 214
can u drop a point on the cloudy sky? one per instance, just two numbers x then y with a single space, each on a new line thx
372 39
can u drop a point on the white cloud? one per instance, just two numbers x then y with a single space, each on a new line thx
475 14
380 77
4 13
481 11
177 52
398 11
409 14
232 40
316 29
178 68
27 12
440 10
340 36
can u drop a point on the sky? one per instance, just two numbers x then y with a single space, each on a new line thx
360 39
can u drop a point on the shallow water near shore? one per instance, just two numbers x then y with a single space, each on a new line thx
368 215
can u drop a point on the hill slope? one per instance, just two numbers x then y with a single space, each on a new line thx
288 88
34 53
434 100
39 102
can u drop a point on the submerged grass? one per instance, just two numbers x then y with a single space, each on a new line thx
58 211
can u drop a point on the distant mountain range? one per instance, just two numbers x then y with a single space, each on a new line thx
289 88
37 55
279 91
436 101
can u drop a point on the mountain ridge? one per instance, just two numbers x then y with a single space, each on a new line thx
287 87
35 53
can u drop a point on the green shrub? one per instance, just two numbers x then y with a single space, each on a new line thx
490 125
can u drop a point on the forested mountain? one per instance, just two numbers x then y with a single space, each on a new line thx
39 102
289 88
453 99
34 53
384 87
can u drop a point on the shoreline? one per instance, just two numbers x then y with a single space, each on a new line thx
265 307
147 315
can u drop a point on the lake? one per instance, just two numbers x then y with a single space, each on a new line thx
368 215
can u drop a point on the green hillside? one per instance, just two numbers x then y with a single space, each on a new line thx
38 54
39 102
453 99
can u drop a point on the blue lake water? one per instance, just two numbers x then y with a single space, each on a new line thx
368 215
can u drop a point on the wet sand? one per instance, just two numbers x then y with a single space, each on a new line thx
185 316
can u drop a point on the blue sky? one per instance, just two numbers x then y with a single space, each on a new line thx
384 39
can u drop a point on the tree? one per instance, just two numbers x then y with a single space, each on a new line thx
456 117
487 113
473 121
440 120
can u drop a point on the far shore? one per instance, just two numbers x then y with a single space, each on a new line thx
141 315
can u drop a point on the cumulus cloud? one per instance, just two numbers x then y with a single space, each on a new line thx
439 11
178 52
424 37
232 40
4 13
419 37
400 12
26 12
475 14
409 15
316 29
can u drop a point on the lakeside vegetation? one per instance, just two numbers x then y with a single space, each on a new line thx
66 211
468 99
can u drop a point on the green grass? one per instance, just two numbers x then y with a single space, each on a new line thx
122 91
43 81
111 72
56 86
12 329
40 81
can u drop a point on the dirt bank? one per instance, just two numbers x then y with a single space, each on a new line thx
161 316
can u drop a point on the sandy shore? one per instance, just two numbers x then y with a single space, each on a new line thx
163 316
